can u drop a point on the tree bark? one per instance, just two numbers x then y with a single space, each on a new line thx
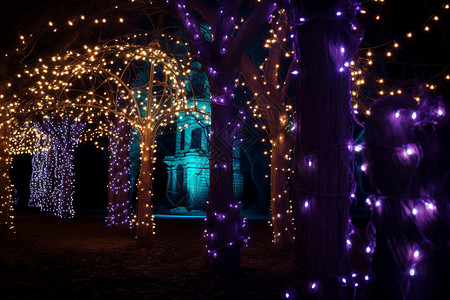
39 165
118 183
279 193
64 183
323 176
220 58
223 224
64 135
271 103
145 222
6 206
112 144
408 166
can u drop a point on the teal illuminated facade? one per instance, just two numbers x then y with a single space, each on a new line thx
188 168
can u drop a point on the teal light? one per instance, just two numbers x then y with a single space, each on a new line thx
161 216
202 217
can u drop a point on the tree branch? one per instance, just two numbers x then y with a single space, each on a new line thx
208 13
193 29
251 74
274 57
251 26
223 25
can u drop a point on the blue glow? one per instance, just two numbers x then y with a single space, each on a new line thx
202 217
161 216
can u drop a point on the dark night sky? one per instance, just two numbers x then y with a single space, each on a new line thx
419 58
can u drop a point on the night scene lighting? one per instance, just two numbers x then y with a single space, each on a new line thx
191 149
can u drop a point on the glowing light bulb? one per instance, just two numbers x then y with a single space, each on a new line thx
412 272
416 254
414 211
414 115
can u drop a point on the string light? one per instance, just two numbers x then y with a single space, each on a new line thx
220 234
363 70
52 167
268 107
417 212
56 80
91 64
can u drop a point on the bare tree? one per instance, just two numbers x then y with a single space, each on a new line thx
270 95
64 134
119 140
148 82
30 34
6 206
407 160
220 52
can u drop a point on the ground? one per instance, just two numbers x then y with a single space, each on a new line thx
81 258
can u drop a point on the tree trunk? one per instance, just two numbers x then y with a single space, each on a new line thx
323 176
64 134
271 103
279 194
112 148
220 58
223 223
38 181
118 183
6 203
145 222
408 165
42 180
6 207
49 201
65 179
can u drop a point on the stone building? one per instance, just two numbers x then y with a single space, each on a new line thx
188 168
